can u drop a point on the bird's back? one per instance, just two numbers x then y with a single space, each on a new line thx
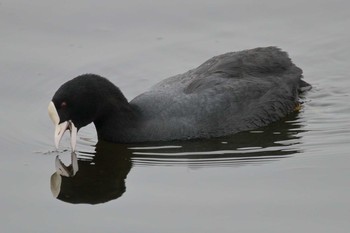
228 93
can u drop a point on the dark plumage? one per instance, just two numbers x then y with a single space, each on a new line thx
227 94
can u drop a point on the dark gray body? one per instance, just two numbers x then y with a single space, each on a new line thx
227 94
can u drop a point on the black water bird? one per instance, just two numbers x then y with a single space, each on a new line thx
229 93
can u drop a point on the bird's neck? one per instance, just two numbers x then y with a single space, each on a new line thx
119 124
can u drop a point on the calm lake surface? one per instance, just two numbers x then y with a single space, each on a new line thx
292 176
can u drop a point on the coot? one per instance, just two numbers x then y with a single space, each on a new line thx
229 93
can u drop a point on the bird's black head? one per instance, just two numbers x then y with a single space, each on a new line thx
81 101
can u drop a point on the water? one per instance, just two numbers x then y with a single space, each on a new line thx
292 176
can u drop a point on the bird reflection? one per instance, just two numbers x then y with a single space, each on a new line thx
95 179
100 176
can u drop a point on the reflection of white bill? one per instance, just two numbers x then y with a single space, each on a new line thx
68 171
55 183
63 170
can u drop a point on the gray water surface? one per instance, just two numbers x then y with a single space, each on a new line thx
292 176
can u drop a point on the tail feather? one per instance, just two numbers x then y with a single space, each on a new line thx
304 86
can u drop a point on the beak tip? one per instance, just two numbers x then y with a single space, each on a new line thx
57 143
61 128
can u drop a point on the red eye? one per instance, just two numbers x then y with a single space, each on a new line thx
63 104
